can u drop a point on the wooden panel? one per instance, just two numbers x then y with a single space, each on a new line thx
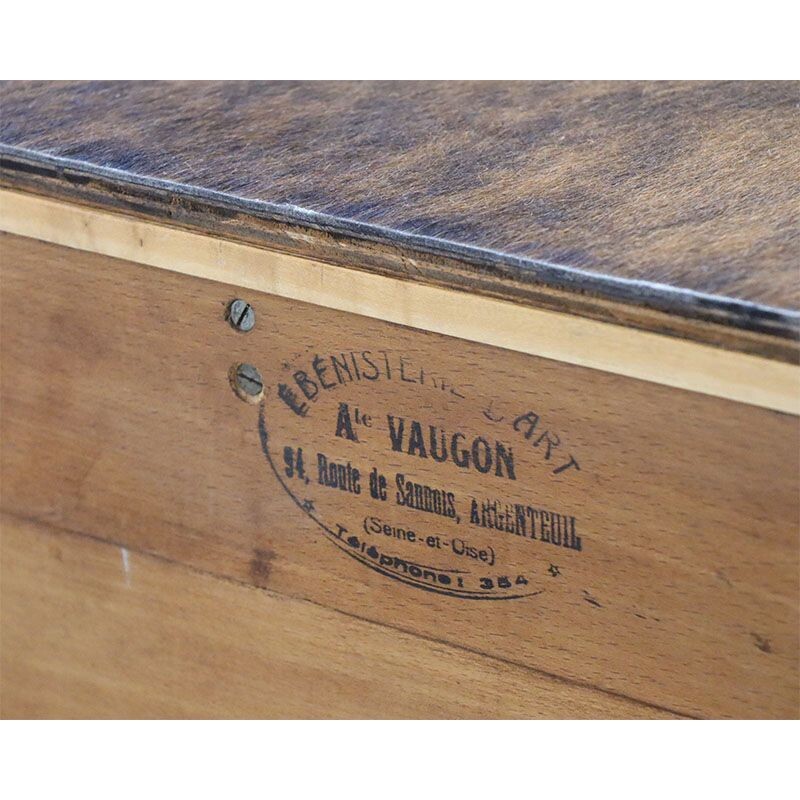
751 379
90 630
685 184
119 421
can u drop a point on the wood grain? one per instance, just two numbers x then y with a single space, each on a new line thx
91 631
564 337
118 422
623 200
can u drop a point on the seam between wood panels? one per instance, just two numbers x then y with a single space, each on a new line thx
633 353
405 631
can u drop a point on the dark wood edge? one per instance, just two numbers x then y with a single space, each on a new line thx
710 319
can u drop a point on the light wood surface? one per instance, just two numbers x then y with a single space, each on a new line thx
92 630
576 340
119 423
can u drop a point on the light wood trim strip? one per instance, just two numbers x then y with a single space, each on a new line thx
575 340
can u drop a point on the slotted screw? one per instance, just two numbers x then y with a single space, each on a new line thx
241 316
248 380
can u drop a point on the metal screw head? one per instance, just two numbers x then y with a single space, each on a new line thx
247 382
241 316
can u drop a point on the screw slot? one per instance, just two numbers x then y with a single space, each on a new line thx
241 316
247 382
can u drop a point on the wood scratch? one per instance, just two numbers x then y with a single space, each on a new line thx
126 566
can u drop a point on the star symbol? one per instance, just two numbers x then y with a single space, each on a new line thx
554 570
308 506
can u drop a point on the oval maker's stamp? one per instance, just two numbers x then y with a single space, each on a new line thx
411 476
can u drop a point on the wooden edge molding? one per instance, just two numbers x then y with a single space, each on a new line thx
634 353
712 319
